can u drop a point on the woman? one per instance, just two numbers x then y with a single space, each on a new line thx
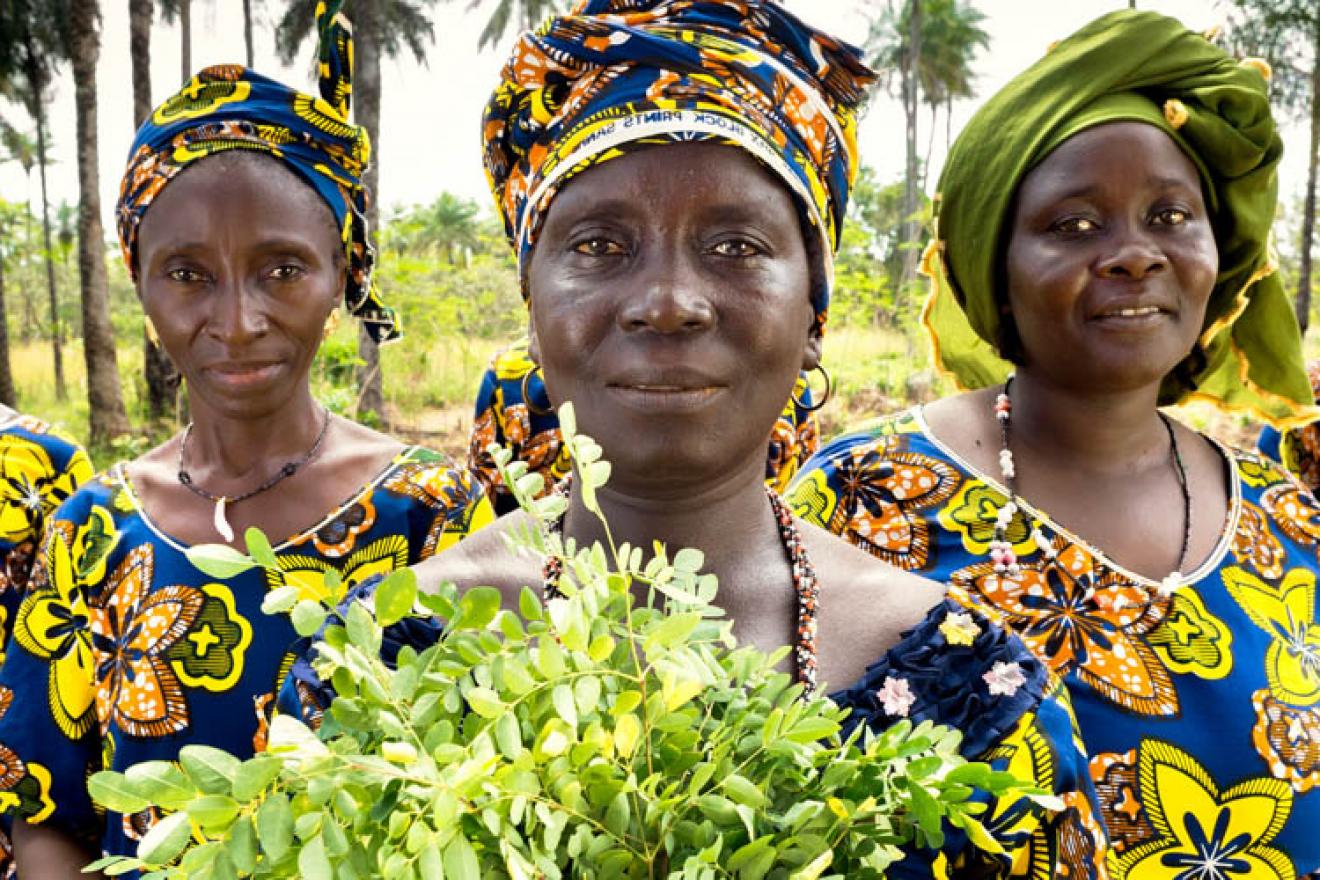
673 177
513 411
40 466
1103 240
241 222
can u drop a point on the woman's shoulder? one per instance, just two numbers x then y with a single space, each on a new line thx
58 445
958 666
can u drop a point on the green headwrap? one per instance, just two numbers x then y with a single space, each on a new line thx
1128 66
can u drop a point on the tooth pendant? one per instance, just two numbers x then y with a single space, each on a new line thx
221 523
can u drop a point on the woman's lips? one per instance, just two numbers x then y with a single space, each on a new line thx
240 376
666 398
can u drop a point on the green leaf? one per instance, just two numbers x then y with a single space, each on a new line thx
485 702
689 559
210 769
275 825
114 791
674 629
165 840
430 866
243 845
280 600
562 698
395 596
529 605
809 730
477 607
461 860
741 790
219 561
258 547
307 616
313 863
618 814
214 812
252 778
507 736
163 782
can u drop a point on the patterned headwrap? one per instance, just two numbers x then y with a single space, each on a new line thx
1135 67
618 74
232 108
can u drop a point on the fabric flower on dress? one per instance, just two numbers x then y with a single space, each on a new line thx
896 696
960 629
1004 679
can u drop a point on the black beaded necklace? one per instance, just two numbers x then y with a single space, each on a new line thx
806 587
222 501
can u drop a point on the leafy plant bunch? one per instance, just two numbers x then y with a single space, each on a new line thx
616 731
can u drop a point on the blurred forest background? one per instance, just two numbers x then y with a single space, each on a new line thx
72 343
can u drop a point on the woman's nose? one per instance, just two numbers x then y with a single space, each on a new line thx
237 315
1135 254
672 298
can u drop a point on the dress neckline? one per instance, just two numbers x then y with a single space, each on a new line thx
119 473
1204 569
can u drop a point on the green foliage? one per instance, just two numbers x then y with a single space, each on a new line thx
593 735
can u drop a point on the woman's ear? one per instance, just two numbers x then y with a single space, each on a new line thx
815 347
533 343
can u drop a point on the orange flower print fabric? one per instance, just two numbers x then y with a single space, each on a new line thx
124 651
1199 707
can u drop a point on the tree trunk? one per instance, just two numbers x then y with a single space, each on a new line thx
139 53
162 379
39 115
366 97
247 31
930 143
7 395
1308 211
106 407
912 86
185 40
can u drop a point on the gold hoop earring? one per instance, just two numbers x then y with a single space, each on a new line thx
824 398
150 328
533 408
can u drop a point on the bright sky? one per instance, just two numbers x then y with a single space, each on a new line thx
431 114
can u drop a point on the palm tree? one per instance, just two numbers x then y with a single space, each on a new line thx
446 226
106 416
247 31
31 43
381 28
161 376
523 14
927 46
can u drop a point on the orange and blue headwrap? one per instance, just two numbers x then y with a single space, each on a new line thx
615 75
232 108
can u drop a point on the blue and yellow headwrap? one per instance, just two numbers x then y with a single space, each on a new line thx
232 108
616 75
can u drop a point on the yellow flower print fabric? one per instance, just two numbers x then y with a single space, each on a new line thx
1200 709
124 652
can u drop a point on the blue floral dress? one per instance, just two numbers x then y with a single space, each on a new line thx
40 467
124 652
1200 709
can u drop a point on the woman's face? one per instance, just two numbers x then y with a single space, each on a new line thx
239 266
670 302
1112 259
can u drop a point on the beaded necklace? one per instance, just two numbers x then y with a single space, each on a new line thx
218 518
806 587
1001 549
